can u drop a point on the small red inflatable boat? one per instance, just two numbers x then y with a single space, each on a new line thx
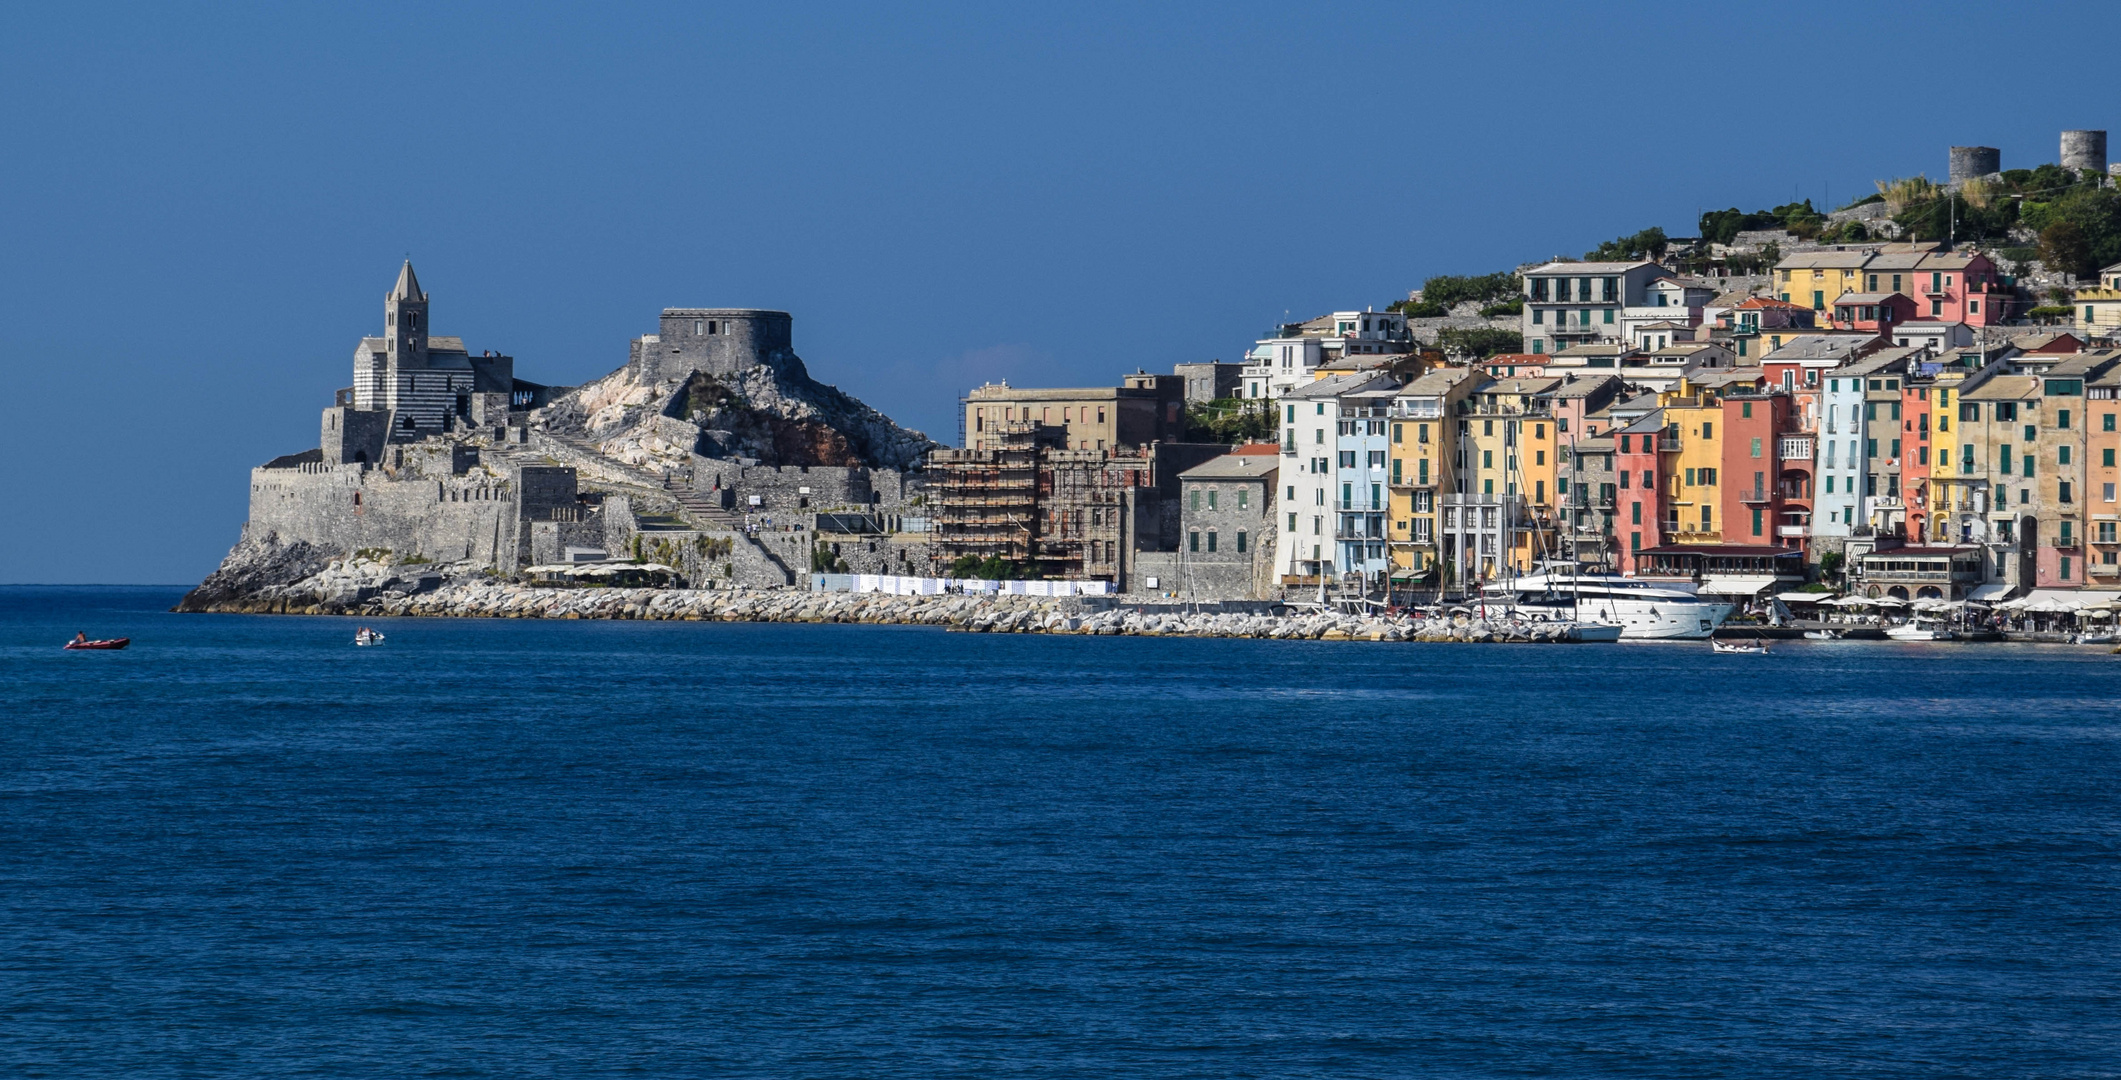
110 643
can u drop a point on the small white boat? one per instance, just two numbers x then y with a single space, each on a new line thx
1822 635
1920 629
1742 647
2101 638
367 637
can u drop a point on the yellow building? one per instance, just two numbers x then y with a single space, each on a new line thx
1812 279
1506 442
2099 306
1692 462
1424 455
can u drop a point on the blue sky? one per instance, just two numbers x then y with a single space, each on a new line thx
204 204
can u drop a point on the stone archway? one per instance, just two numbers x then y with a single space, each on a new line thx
1929 592
1897 592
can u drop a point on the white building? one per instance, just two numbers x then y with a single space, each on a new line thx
1573 303
1334 496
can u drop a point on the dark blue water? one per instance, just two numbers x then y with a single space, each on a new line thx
247 848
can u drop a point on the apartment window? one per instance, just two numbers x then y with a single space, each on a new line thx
1211 541
1347 494
1539 491
2062 492
1707 515
1196 498
1756 443
1624 479
1895 455
1487 487
2027 461
1292 524
1292 414
1487 459
1870 448
1539 317
2065 559
1690 478
2106 532
1399 433
1708 478
1539 457
1347 459
2062 455
1421 433
2107 493
1395 471
2062 419
1487 427
1635 512
1624 444
1424 470
1240 541
1211 498
1193 541
1609 315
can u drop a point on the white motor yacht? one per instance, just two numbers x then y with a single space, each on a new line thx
1644 610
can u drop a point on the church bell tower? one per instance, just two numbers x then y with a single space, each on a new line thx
405 322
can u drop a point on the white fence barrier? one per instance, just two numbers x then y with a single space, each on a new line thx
923 586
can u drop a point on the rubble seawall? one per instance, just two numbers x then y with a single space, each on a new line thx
978 614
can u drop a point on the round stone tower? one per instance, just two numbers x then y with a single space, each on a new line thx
2084 150
1972 161
720 341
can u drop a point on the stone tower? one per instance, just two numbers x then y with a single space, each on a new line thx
405 322
719 341
2082 150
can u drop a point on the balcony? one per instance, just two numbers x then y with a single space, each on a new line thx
1793 532
1796 448
1757 495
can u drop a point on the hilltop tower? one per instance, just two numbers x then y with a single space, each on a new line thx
718 341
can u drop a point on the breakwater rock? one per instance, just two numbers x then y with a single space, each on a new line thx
976 614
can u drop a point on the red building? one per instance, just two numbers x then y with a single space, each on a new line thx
1767 498
1638 521
1875 312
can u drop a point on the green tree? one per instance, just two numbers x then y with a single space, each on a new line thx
1650 243
1230 420
2065 248
1479 343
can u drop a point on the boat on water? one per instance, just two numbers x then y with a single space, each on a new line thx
1822 635
106 643
1643 610
1723 645
1920 628
365 636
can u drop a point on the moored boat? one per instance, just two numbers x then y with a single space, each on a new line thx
1920 628
1722 645
1643 610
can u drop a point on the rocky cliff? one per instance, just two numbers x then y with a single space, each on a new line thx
777 415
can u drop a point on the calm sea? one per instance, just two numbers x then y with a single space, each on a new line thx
247 848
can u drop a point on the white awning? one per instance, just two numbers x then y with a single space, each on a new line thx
1992 591
1736 585
1804 597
